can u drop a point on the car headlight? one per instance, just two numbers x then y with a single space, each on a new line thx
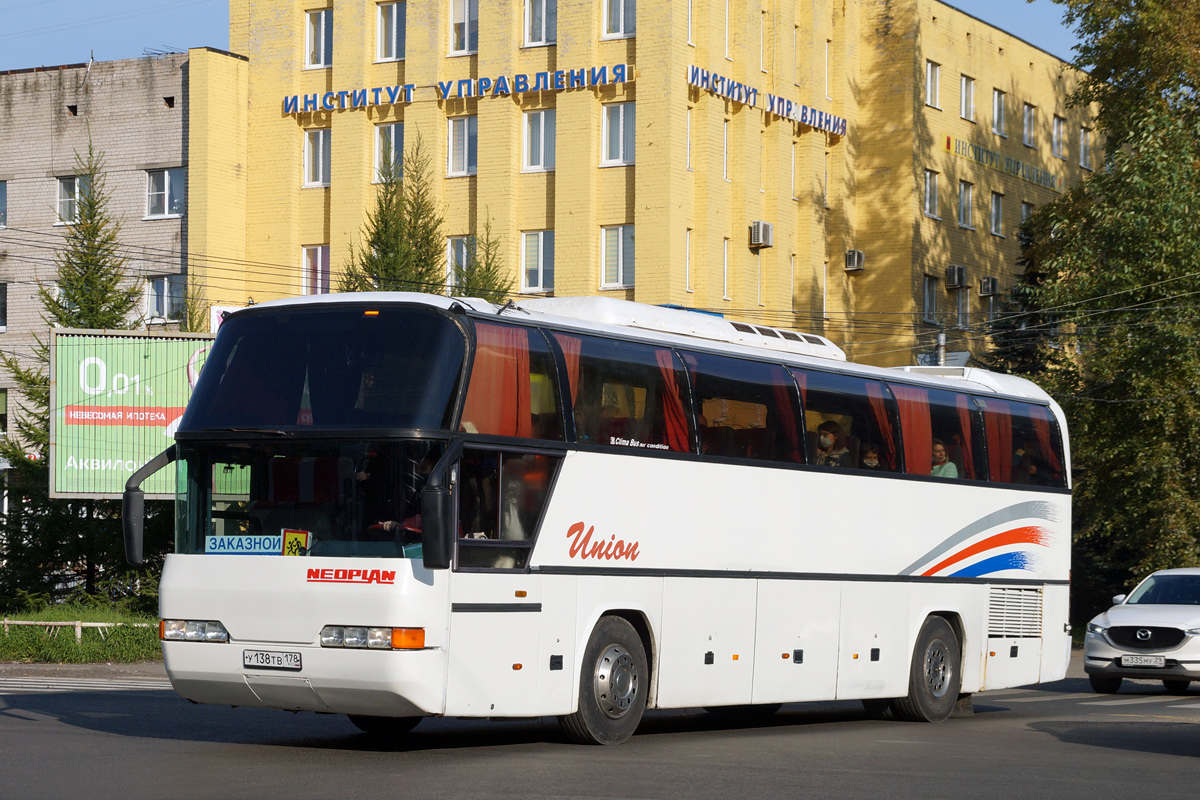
1194 631
1094 628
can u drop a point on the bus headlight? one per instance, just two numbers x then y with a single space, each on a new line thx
373 638
191 630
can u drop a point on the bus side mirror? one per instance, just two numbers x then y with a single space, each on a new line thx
438 517
133 505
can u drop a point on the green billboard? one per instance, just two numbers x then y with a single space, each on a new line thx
116 399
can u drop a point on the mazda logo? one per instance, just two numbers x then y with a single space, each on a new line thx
1144 634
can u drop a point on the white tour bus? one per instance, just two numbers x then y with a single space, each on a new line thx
395 506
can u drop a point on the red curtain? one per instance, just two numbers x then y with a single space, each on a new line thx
964 422
998 424
571 346
672 400
787 418
498 397
1041 426
879 412
916 427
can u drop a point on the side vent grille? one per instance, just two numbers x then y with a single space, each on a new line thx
1014 613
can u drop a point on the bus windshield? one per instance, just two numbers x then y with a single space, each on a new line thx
345 367
303 498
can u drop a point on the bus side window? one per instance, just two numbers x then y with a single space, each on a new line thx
933 418
746 409
513 387
625 394
502 496
1023 443
849 422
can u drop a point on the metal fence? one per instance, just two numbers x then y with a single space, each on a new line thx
52 628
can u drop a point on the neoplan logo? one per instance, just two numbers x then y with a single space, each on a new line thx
352 576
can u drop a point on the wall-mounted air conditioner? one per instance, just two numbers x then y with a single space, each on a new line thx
956 277
762 234
855 260
989 286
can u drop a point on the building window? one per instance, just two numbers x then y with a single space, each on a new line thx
965 191
992 310
3 328
618 134
1026 211
689 39
997 213
620 18
795 196
727 58
68 198
464 137
392 23
316 157
319 50
3 204
1030 123
539 140
998 98
725 269
966 100
929 307
1085 149
796 55
460 250
931 194
465 34
165 193
687 259
389 150
164 297
762 41
1059 135
828 68
316 269
541 22
933 73
689 137
963 299
616 254
537 255
825 181
725 149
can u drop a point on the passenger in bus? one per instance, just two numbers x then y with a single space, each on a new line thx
831 450
1029 466
870 458
943 467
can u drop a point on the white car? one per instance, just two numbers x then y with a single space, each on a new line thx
1152 634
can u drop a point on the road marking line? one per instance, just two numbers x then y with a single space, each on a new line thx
1132 701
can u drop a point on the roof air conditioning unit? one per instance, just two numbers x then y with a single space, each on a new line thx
762 234
956 277
855 260
989 286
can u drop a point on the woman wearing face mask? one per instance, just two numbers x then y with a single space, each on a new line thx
943 467
831 449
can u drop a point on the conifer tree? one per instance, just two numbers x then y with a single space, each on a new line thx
483 274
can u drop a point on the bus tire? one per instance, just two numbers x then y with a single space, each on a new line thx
613 681
934 678
384 726
1177 685
1105 684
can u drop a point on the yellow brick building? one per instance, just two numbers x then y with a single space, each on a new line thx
629 149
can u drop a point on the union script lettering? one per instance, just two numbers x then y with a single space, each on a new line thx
613 549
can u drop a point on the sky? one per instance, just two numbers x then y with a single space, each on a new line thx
36 33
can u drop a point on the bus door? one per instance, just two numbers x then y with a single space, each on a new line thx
496 604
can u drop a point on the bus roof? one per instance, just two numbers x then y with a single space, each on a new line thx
655 323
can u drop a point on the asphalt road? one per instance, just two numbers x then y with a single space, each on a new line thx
117 732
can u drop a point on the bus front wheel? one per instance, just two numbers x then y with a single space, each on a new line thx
934 678
384 726
612 685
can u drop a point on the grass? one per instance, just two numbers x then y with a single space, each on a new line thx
128 644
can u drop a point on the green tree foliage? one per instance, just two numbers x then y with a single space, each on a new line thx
52 547
1120 255
483 275
403 248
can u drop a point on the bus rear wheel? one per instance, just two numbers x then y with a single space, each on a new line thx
384 726
934 678
612 685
